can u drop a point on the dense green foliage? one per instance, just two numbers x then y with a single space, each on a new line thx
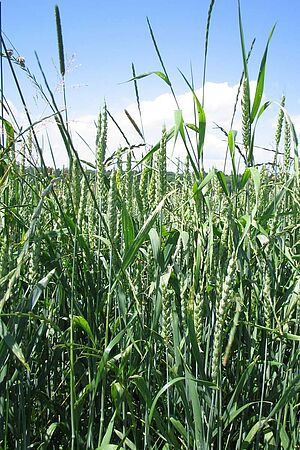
145 310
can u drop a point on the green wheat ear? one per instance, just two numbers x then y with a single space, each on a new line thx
60 42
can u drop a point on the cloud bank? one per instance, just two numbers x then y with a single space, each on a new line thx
219 103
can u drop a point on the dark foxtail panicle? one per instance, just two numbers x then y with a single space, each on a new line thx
60 42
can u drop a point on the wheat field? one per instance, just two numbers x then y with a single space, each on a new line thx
147 309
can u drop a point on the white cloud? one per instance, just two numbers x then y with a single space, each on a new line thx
219 103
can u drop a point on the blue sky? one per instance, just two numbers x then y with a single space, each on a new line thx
103 38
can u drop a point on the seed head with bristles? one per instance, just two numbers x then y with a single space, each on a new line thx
162 167
101 139
287 145
279 123
129 183
112 206
220 317
246 125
